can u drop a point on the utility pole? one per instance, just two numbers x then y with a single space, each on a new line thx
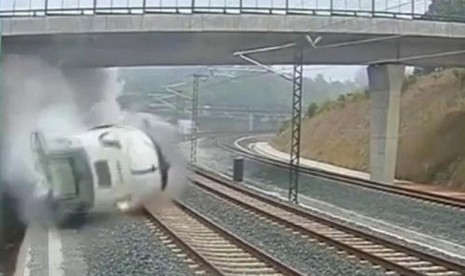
194 117
296 79
194 114
294 160
181 101
179 108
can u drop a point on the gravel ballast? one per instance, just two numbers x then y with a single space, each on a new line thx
308 257
117 245
434 220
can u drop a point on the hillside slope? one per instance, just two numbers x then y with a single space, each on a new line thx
432 131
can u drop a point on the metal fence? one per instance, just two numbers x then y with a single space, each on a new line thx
407 9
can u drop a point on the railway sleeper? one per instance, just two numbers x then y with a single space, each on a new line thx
415 264
445 273
242 271
204 249
402 258
436 268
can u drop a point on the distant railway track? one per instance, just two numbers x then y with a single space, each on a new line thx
393 258
216 133
393 189
210 249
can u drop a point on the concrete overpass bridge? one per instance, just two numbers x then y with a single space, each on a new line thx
192 33
373 32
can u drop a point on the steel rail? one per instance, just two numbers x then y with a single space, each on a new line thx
345 179
186 247
209 261
390 265
260 254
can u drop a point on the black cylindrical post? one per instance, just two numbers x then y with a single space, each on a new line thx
238 174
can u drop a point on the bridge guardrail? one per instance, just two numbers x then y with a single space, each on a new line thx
405 9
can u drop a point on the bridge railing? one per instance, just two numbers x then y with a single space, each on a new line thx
407 9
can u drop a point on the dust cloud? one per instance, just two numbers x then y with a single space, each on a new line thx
39 96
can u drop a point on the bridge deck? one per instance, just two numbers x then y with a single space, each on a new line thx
211 39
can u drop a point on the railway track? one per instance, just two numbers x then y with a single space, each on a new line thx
210 249
393 189
391 257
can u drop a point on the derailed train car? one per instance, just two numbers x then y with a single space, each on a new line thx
109 166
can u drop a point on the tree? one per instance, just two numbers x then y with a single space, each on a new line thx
453 10
311 110
449 10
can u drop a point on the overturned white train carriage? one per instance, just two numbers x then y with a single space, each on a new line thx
112 166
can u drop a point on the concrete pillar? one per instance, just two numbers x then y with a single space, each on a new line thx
251 122
385 83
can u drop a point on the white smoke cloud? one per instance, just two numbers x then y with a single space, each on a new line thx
64 102
36 96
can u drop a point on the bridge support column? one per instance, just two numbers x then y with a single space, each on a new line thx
385 84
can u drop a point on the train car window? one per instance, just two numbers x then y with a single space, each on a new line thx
103 173
63 178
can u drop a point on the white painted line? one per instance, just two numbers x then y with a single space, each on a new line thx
265 149
237 145
27 262
55 255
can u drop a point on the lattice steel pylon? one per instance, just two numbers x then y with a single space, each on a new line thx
194 116
294 161
179 112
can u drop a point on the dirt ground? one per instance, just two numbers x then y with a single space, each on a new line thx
432 132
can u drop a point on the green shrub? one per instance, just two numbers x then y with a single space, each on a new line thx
366 93
459 74
311 110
